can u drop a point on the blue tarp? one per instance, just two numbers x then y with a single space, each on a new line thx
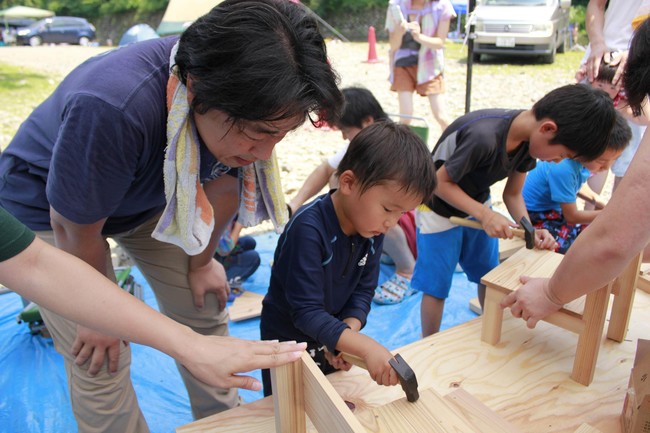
32 376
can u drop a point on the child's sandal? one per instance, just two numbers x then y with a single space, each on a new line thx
393 290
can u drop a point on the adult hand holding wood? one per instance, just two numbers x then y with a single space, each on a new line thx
532 301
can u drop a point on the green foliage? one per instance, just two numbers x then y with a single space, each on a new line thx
90 9
577 17
341 7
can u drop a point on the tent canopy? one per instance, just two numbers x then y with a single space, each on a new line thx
25 12
181 13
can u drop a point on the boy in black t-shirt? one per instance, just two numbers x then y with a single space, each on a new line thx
480 149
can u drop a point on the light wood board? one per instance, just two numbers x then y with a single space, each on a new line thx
524 379
246 306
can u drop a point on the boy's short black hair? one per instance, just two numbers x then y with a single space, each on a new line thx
359 103
621 134
388 151
636 78
259 60
584 117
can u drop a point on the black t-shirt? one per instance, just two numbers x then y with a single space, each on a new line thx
473 150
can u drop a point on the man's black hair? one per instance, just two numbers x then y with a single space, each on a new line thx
388 151
258 60
359 103
636 78
584 117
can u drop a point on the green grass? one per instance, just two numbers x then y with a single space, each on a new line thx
21 90
563 68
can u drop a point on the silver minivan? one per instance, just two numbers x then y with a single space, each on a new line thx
521 28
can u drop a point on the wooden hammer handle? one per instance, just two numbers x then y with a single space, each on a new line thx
477 225
353 359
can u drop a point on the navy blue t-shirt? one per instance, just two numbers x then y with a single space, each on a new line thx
95 148
319 277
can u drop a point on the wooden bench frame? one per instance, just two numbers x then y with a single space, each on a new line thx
589 325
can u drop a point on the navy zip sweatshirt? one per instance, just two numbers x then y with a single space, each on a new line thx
319 277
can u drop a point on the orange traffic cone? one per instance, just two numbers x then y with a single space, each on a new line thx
372 46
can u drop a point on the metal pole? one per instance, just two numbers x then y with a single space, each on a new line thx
470 55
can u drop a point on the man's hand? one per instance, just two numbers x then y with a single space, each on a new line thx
210 278
532 301
93 346
217 360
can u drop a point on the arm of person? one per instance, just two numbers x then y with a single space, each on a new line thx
594 23
206 275
42 274
643 119
374 354
86 242
315 182
433 42
514 201
591 196
494 224
573 215
599 254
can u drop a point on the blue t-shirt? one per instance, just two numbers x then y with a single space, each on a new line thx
95 148
550 184
319 277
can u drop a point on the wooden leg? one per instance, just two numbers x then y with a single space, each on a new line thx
625 286
289 398
492 316
594 315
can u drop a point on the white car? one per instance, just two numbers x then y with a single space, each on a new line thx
521 28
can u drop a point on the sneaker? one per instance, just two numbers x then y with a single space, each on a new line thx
240 266
393 290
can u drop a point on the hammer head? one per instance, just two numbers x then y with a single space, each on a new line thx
529 232
406 377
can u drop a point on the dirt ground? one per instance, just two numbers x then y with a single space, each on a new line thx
301 151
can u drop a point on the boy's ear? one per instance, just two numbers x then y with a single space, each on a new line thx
548 127
367 121
347 182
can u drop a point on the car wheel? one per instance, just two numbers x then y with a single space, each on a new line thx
476 58
550 58
565 43
35 41
84 41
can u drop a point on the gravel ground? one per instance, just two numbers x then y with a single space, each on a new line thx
516 84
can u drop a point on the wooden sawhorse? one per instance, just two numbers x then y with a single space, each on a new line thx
588 325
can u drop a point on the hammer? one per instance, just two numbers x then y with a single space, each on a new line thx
527 232
404 372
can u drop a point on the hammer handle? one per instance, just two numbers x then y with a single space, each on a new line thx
353 359
477 225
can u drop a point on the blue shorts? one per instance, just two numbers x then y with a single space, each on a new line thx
438 254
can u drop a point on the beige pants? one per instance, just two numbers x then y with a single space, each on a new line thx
107 403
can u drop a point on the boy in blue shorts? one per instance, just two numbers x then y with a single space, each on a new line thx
326 264
480 149
550 190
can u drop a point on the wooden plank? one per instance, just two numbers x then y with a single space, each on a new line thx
625 286
475 306
289 398
246 306
586 428
524 379
643 282
508 247
325 408
430 414
479 415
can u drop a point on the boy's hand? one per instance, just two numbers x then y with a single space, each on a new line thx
337 361
379 368
497 226
544 240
